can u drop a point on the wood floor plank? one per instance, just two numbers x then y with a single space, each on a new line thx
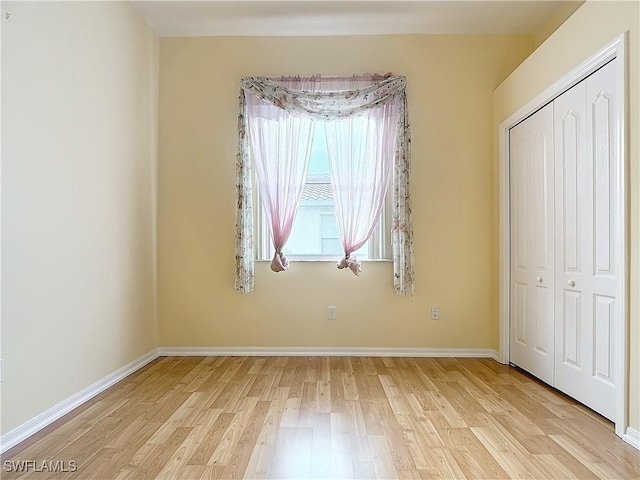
428 433
181 404
375 388
553 467
370 366
441 465
466 406
291 412
590 460
337 387
381 457
507 454
273 379
417 445
360 380
323 396
308 404
445 410
227 444
151 464
341 457
297 382
395 396
284 449
321 452
256 366
584 427
358 438
327 418
474 460
259 462
273 419
372 412
213 429
237 463
311 369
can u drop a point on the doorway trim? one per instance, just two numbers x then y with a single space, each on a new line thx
615 49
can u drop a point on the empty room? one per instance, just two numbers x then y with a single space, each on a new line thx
320 239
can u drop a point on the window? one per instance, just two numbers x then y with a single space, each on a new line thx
330 243
367 128
315 234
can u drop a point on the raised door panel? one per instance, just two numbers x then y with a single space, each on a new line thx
571 326
603 321
532 273
519 316
602 151
586 307
570 134
602 124
543 326
573 208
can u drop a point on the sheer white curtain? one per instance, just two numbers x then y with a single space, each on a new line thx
280 146
361 152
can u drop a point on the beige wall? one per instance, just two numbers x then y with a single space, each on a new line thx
593 26
563 11
450 89
79 100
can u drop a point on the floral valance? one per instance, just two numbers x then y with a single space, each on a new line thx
320 100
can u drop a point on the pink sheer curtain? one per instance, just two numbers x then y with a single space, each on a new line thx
361 153
280 145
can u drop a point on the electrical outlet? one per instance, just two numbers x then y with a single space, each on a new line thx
435 313
331 313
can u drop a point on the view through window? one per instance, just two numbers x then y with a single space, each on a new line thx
315 231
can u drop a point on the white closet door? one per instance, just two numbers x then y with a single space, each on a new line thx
532 243
585 135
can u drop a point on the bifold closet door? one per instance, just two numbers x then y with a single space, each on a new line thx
531 169
586 304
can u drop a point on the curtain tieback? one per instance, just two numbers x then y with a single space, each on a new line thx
279 262
350 263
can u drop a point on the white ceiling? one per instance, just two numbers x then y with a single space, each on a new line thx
346 17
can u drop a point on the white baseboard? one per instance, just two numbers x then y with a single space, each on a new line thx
632 437
24 431
327 352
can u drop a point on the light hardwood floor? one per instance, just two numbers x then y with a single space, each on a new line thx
328 418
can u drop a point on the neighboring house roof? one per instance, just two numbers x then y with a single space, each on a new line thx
317 191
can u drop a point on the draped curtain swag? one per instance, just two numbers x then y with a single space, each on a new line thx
318 99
